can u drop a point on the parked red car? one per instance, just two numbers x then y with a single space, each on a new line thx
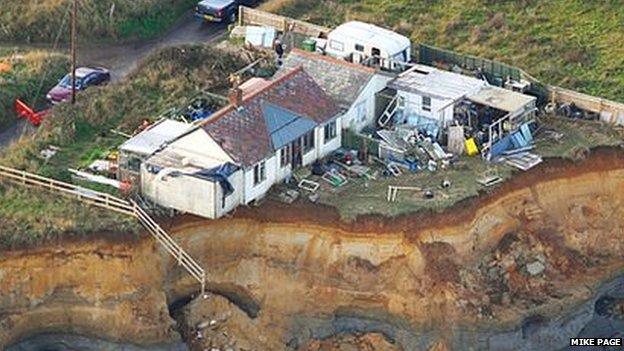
85 77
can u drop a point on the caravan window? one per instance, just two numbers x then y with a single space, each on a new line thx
336 45
359 47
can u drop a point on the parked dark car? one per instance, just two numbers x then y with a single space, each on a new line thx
85 77
221 10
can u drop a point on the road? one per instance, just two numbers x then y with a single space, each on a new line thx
123 59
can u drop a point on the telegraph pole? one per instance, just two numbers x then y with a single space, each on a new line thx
73 49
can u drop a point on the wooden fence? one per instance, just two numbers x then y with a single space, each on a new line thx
112 203
252 17
610 111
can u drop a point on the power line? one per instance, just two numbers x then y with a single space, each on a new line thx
54 46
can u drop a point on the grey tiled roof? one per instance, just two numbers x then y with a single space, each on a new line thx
342 80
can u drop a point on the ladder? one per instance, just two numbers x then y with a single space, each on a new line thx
389 111
112 203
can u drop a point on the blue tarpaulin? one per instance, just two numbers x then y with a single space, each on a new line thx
220 174
521 138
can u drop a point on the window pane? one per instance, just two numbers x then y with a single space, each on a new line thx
336 45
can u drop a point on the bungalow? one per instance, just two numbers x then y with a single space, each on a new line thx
256 141
352 85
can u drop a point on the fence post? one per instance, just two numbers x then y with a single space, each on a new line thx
203 284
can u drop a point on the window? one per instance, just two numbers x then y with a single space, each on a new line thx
308 142
330 131
134 164
361 111
336 45
259 173
359 47
426 103
285 153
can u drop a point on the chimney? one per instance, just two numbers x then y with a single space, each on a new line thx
236 96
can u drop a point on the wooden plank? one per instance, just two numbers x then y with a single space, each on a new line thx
251 16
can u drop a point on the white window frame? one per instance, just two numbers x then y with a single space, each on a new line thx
336 45
330 129
259 173
285 156
426 107
308 148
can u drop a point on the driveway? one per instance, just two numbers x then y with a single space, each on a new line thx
123 59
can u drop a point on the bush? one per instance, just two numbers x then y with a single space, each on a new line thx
29 75
43 21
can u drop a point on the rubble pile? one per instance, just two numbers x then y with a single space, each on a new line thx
522 270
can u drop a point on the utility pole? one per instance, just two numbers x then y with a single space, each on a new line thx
73 49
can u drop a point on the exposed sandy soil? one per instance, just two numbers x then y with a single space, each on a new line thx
296 278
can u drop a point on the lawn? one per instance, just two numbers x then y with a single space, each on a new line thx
82 132
360 196
572 43
25 21
27 75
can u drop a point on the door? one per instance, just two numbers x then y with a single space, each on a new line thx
376 53
297 157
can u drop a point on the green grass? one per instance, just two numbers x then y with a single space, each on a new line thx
42 21
168 79
31 75
360 197
572 43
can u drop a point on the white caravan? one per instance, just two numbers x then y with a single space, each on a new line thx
358 42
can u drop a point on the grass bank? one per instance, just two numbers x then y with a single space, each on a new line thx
42 21
573 43
167 79
28 76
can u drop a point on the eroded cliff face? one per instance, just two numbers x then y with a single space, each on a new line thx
94 288
300 280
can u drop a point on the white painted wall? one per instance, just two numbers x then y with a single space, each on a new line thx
184 193
187 193
362 112
203 197
254 192
441 110
233 200
324 149
200 149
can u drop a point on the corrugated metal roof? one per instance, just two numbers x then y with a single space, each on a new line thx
502 99
155 136
436 83
284 126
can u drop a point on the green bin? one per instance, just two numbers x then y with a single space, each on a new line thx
309 45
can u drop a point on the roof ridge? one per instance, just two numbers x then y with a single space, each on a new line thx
331 59
229 108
